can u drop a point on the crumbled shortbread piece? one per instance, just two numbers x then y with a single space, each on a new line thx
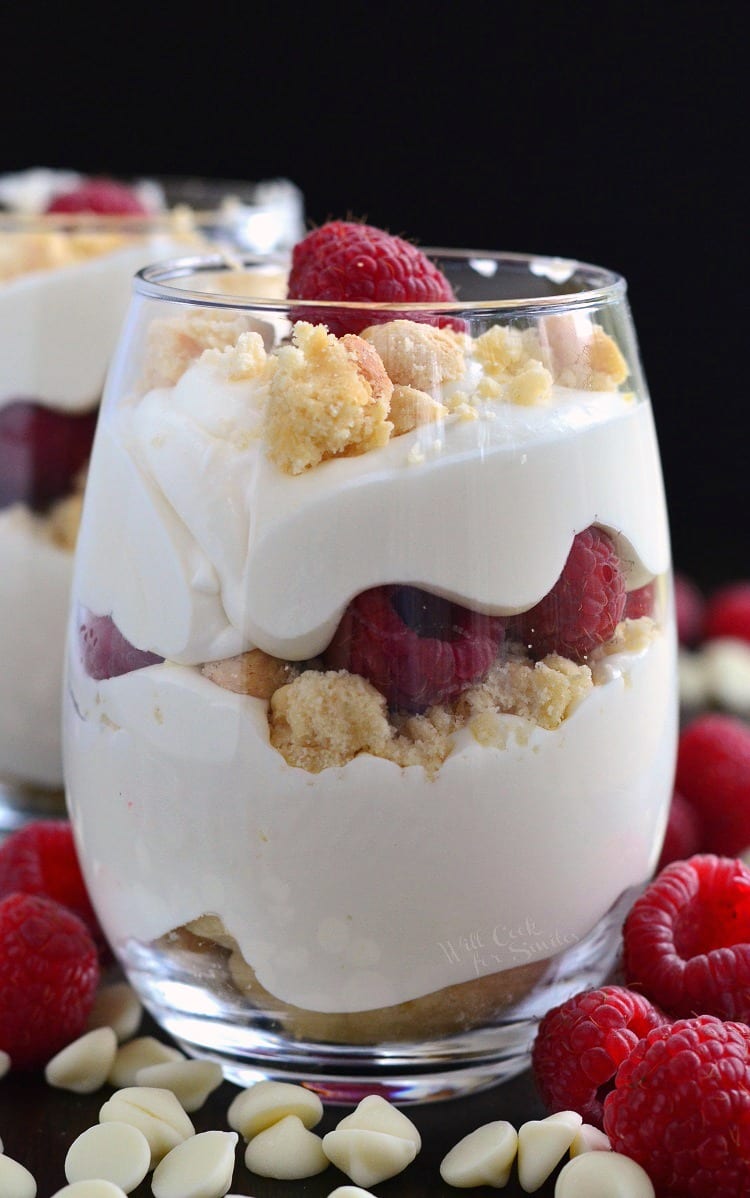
116 1152
482 1158
245 360
83 1066
286 1151
174 343
505 351
266 1103
252 673
631 636
418 355
328 397
581 353
411 407
545 691
532 385
542 1143
21 253
327 719
211 927
200 1167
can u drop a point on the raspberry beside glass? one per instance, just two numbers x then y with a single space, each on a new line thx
371 719
68 249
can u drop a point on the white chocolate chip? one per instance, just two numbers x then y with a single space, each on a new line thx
201 1167
694 691
368 1156
116 1152
265 1103
83 1066
375 1113
155 1112
589 1139
93 1188
286 1151
15 1181
483 1158
350 1192
603 1175
138 1054
542 1143
190 1081
726 662
4 1063
117 1006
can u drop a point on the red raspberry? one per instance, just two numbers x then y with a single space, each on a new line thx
580 1044
641 602
105 652
415 648
41 859
48 978
684 835
681 1109
104 197
713 773
584 606
349 262
689 608
728 612
686 940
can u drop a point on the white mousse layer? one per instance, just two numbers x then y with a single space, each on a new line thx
368 885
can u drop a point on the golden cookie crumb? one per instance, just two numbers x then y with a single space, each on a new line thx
21 253
253 673
418 355
533 385
328 397
325 719
544 692
245 360
174 343
505 351
411 407
581 354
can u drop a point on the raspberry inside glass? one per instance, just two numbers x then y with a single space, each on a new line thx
104 650
416 648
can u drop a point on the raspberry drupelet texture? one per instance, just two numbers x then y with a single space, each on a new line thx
349 262
41 859
713 774
584 606
414 647
104 197
686 940
48 978
681 1108
580 1044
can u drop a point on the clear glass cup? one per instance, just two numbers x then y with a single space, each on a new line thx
64 290
371 717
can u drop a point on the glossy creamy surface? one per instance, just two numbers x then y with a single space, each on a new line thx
365 886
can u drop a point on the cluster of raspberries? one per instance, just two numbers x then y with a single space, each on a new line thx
661 1063
51 945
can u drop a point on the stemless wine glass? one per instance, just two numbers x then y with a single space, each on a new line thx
371 710
64 290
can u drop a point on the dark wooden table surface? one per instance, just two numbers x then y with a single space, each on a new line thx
38 1125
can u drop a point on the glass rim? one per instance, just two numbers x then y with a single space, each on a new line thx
604 286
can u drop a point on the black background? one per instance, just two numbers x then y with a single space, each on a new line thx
614 133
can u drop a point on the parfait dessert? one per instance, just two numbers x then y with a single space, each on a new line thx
370 713
69 247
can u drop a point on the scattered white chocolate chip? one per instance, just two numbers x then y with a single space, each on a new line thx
350 1192
4 1063
266 1103
483 1158
542 1143
589 1139
155 1112
137 1055
117 1006
116 1152
368 1157
603 1175
201 1167
190 1081
15 1180
693 682
91 1188
726 662
83 1066
375 1113
286 1151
